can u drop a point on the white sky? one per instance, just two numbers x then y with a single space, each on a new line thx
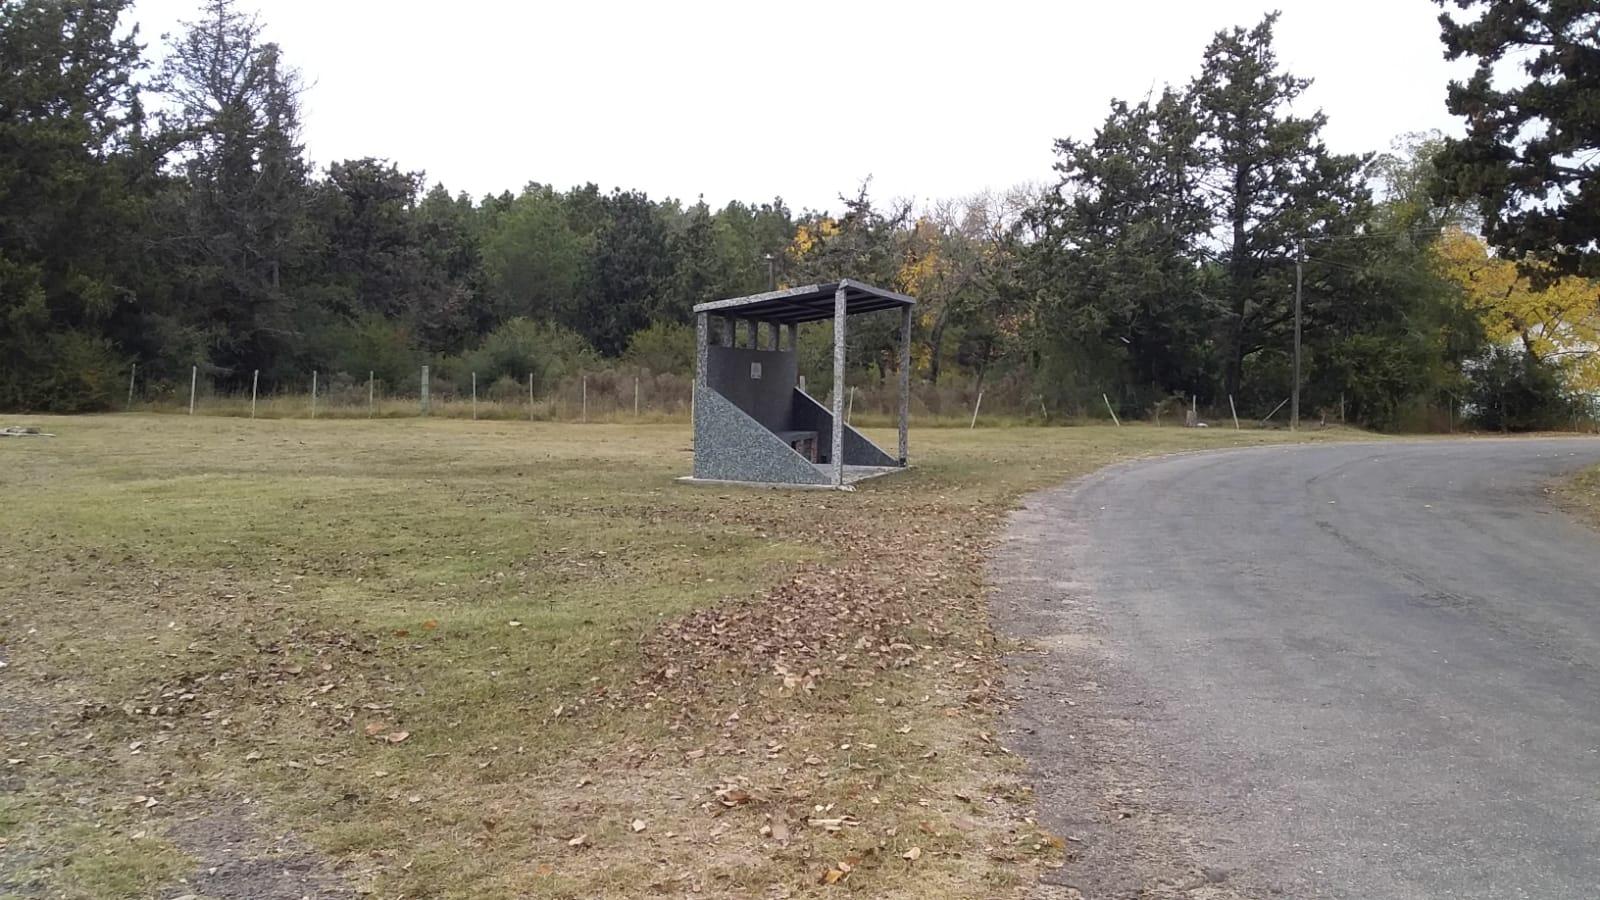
747 100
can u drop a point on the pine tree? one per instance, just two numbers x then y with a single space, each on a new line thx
235 125
1531 157
1272 184
1112 270
72 196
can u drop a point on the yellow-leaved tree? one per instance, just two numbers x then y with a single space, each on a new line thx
1557 322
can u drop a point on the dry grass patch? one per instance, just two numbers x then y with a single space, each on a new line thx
505 659
1581 494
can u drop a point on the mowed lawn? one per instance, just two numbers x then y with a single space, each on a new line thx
426 658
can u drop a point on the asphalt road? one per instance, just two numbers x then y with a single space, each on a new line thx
1353 670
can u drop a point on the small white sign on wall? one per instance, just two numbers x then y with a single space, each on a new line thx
755 371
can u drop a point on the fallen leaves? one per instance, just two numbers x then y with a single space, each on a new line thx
777 829
839 823
381 731
732 795
839 871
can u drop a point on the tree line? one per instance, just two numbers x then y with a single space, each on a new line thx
162 212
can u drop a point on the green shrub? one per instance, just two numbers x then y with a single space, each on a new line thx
522 347
65 372
664 348
1511 390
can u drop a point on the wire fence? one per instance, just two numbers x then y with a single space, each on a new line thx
620 395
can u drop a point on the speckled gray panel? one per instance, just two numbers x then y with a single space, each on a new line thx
809 415
731 446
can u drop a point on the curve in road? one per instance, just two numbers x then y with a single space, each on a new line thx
1339 670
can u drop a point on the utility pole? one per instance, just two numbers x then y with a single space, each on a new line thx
1299 280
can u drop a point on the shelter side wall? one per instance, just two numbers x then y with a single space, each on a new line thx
809 415
729 445
767 398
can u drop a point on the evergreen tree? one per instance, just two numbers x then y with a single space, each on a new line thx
235 124
71 199
365 210
1531 156
449 231
1271 184
1113 271
533 260
630 272
697 274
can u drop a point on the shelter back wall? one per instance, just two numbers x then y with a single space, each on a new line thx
768 399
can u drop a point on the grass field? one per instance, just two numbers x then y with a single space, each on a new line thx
430 658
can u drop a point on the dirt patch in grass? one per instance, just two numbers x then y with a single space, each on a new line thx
240 859
503 659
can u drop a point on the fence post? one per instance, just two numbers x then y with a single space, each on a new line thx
369 393
255 381
585 413
194 372
474 395
424 390
313 393
1274 411
530 396
131 376
1110 410
975 407
636 396
1235 410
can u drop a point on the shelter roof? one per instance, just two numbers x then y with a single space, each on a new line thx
810 303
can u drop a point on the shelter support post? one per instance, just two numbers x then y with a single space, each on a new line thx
794 336
837 459
702 327
905 380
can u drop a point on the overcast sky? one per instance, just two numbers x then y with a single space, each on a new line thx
745 100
